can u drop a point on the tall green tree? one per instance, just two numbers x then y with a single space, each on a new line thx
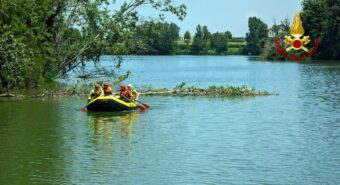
256 36
219 42
197 43
206 39
228 35
201 41
187 37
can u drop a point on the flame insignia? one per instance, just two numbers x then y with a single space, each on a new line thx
296 31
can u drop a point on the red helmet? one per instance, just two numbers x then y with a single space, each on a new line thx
106 84
97 86
122 86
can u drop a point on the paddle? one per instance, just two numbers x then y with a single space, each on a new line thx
83 109
144 104
140 107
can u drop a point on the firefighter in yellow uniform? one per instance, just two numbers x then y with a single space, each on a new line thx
134 93
96 92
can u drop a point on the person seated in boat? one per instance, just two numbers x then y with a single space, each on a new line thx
96 92
134 93
124 93
107 89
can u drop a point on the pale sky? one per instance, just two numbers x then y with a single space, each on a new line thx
232 15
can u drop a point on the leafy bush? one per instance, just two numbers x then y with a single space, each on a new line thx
13 61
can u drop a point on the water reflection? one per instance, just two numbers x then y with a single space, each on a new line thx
107 128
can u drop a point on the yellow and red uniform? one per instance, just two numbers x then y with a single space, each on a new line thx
107 91
96 92
124 93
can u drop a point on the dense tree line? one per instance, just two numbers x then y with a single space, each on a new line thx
206 43
155 38
162 38
44 40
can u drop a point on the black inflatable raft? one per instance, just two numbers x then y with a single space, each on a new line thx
110 103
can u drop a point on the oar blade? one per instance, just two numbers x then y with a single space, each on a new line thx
146 105
141 108
83 109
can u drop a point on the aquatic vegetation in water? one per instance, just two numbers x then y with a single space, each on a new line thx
181 89
217 91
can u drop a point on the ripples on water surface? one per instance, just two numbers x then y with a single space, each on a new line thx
293 138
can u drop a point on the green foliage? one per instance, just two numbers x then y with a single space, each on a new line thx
64 35
228 35
269 50
256 36
235 51
219 42
206 43
197 43
321 19
156 38
120 49
181 49
236 46
13 60
187 37
201 41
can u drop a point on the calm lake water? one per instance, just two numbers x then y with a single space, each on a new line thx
292 138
